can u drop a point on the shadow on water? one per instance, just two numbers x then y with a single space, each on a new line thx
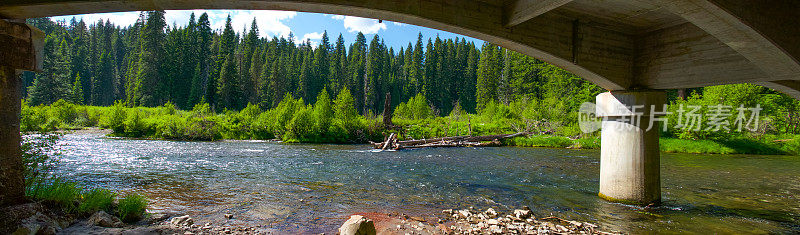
749 146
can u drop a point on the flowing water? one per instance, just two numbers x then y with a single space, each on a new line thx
307 188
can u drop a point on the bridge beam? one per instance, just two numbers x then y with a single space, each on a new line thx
523 10
629 152
22 45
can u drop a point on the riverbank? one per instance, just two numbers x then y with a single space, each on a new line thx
294 122
767 146
37 218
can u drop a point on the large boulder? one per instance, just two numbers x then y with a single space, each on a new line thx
103 219
38 224
357 225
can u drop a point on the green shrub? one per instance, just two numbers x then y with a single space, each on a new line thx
587 143
95 200
301 127
64 112
132 208
134 125
117 119
416 108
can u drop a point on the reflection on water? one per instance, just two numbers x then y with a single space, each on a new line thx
313 188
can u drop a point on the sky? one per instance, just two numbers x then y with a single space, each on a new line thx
280 23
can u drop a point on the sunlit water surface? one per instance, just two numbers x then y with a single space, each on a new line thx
262 183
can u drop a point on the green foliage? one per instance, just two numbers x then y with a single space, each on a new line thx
541 141
117 119
40 154
96 199
416 108
57 192
132 208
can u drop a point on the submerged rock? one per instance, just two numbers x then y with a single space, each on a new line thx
357 225
182 221
103 219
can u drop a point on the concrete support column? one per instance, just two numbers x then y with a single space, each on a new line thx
12 185
629 155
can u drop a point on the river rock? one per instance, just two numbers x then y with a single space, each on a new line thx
357 225
493 222
522 214
464 213
229 216
491 212
182 221
103 219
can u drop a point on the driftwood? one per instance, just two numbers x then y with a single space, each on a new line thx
454 141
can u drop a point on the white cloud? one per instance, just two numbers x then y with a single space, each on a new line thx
398 24
358 24
270 23
313 37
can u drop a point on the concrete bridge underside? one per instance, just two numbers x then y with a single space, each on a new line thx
630 47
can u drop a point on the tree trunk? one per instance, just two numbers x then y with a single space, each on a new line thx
387 110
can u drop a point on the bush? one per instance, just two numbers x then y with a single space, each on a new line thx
131 208
117 120
300 128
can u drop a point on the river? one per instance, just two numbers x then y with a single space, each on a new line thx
311 188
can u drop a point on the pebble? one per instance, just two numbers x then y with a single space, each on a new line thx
519 221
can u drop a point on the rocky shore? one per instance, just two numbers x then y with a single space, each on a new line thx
35 218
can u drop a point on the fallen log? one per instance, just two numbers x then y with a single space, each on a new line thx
455 141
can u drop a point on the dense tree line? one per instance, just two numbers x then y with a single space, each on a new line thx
151 63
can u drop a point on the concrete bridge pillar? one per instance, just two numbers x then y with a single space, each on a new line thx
12 185
21 50
629 155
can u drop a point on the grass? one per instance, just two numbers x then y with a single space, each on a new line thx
541 141
671 145
131 208
57 192
732 146
96 200
73 199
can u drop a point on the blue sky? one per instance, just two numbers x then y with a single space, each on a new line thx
302 25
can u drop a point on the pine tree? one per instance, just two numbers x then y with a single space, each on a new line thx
54 82
321 67
338 66
77 90
229 91
149 77
489 69
357 65
200 79
307 75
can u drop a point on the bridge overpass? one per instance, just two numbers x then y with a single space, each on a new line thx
632 48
